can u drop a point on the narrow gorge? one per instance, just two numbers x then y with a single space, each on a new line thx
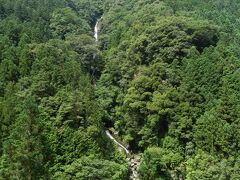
133 160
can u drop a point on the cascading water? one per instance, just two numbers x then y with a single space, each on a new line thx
133 161
120 145
96 29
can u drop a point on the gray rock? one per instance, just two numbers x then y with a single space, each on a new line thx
138 158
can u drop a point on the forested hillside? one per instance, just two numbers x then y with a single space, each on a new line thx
51 125
164 76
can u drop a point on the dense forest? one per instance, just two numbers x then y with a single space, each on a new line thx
164 76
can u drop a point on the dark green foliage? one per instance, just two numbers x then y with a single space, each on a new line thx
159 163
164 74
170 85
49 118
91 168
23 155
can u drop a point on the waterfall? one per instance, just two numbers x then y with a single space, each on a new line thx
96 29
132 160
120 145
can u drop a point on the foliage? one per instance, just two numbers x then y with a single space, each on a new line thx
91 168
164 74
49 118
170 85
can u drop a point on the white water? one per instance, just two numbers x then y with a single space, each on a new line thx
134 173
96 29
119 144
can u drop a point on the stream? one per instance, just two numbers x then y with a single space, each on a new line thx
133 161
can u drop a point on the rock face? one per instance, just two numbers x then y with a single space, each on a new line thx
134 163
